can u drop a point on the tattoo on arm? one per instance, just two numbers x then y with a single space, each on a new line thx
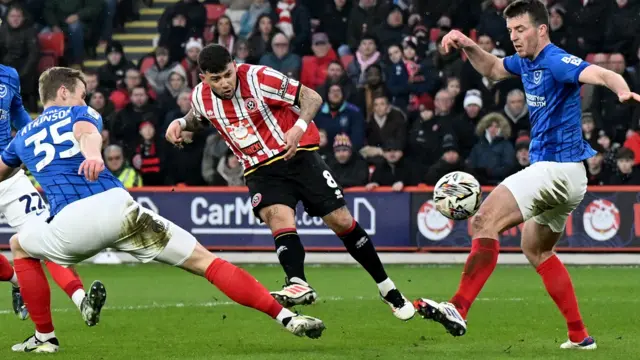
194 123
310 102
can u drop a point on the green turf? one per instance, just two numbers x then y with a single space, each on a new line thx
156 312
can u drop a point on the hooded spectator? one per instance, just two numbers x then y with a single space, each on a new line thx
174 85
112 73
349 168
175 37
281 59
229 171
158 74
493 157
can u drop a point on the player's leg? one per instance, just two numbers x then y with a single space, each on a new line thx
149 236
274 199
538 242
360 246
37 296
8 274
498 212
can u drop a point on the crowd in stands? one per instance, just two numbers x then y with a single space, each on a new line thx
398 110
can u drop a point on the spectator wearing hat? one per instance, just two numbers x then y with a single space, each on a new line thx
175 36
335 22
465 125
250 17
522 153
471 79
349 168
147 157
367 55
516 112
76 18
158 74
294 20
393 30
421 33
493 157
395 171
282 59
190 61
175 84
363 19
336 74
338 116
627 174
473 107
449 162
424 143
111 74
385 123
314 67
597 172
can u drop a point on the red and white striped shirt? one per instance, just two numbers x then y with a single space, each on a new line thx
254 121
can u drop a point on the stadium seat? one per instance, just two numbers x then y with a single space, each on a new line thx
346 60
214 12
433 34
473 34
146 63
52 43
47 60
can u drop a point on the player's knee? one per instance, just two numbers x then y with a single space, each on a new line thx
16 249
339 220
534 253
278 217
199 261
481 222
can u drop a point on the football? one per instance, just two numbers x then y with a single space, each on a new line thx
457 195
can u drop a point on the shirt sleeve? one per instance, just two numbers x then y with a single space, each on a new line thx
566 68
278 89
513 64
88 114
19 116
9 155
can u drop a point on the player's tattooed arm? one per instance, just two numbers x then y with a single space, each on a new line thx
193 122
309 101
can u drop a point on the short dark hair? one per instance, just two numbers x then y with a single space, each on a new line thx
53 78
214 59
535 8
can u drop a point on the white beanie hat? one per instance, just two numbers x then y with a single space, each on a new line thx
193 42
473 97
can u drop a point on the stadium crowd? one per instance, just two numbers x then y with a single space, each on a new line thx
398 110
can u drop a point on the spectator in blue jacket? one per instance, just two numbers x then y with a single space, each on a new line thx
339 116
401 83
281 59
493 157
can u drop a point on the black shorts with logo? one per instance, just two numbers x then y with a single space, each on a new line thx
305 177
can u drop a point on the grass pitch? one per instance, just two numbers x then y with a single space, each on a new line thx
157 312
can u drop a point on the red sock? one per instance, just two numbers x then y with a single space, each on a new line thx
480 264
241 287
35 292
558 283
6 270
66 278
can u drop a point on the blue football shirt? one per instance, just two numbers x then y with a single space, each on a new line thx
11 109
552 93
50 151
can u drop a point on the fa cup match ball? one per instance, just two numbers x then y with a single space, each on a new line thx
457 195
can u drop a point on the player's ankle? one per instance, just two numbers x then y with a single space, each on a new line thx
77 297
44 336
285 316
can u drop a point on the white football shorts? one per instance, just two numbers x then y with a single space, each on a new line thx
548 191
20 202
112 219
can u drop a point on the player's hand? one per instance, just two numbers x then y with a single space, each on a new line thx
397 186
291 141
174 133
628 97
91 168
455 39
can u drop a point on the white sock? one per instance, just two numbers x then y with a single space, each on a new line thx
14 280
284 313
386 286
297 280
44 337
77 297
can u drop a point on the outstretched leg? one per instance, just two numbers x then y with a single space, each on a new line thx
361 248
8 274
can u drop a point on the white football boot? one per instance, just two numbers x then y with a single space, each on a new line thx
93 302
588 343
302 325
32 344
295 292
445 313
402 308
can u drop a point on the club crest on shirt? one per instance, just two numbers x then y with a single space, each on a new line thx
3 91
251 105
537 77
